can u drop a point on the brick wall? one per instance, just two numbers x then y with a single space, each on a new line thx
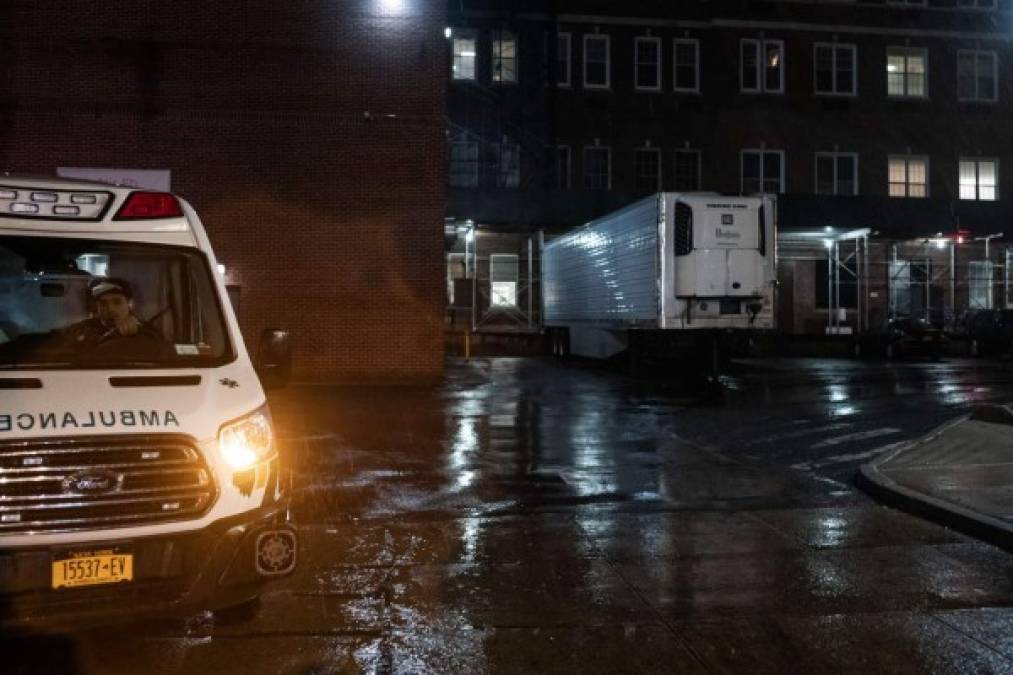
309 136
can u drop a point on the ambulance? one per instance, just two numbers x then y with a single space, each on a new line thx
139 468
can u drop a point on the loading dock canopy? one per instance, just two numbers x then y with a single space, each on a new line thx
892 217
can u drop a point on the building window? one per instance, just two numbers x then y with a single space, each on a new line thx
833 286
907 72
686 55
980 276
687 170
503 274
836 173
597 168
504 57
977 74
762 66
979 179
648 170
835 69
464 57
762 171
563 167
463 170
563 65
909 176
508 165
596 62
648 63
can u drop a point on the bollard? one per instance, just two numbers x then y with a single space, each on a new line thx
467 344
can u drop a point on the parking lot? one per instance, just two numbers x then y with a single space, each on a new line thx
531 515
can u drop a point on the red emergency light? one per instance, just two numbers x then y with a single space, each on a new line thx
143 205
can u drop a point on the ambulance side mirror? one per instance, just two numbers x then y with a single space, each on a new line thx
274 358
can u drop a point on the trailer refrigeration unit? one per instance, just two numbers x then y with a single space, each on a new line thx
666 273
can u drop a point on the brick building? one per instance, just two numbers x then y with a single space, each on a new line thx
883 125
308 135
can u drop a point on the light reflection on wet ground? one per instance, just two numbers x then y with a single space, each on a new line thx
529 516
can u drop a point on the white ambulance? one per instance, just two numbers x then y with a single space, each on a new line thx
139 471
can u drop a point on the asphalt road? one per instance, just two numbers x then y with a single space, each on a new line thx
532 516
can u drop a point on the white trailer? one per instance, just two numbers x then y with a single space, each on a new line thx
688 264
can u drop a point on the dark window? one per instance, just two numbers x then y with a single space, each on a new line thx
683 229
848 284
648 170
687 170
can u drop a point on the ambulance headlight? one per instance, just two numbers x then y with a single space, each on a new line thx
247 442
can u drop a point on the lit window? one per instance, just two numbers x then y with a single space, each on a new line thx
597 168
909 176
907 72
464 57
596 62
503 275
835 69
976 76
762 171
762 66
979 179
648 170
563 60
980 279
687 65
836 173
648 63
687 170
504 57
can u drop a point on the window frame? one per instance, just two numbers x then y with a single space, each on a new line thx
975 53
560 38
762 179
761 80
608 61
465 34
907 53
834 46
696 65
834 156
656 151
463 141
645 39
492 282
977 161
907 173
699 169
608 167
505 180
564 180
498 39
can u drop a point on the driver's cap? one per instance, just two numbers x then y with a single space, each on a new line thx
99 287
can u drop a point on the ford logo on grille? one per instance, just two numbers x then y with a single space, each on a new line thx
92 482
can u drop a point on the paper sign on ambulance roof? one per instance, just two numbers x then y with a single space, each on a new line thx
158 180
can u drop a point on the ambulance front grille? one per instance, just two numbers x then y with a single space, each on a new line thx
102 482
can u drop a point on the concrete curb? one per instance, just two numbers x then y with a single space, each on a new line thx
974 524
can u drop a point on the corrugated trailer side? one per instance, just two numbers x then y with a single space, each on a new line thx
606 273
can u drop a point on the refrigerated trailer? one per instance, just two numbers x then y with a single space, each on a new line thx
669 269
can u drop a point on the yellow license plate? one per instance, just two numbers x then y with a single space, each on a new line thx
88 568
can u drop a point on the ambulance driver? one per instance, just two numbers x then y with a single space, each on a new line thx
113 322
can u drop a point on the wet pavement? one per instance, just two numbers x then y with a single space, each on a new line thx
531 516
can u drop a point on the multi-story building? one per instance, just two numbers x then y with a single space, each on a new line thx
883 124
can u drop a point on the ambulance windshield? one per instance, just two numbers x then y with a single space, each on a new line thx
81 303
